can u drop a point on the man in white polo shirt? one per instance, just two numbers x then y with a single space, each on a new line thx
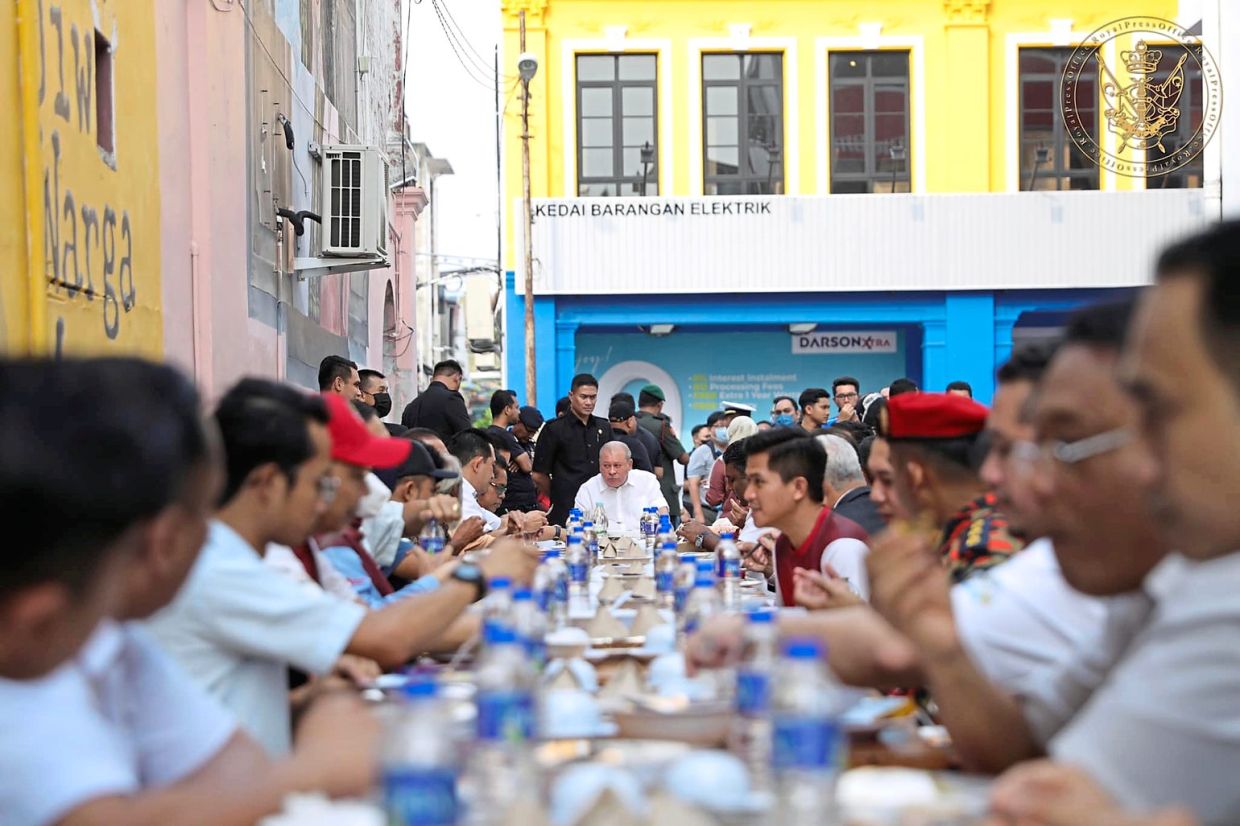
238 624
117 733
623 492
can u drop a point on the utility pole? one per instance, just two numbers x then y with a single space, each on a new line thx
531 374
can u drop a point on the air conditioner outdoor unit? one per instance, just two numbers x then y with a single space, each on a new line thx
355 196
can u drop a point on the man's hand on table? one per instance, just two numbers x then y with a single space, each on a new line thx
510 558
716 644
761 557
818 592
360 671
468 532
1042 793
336 746
689 531
909 587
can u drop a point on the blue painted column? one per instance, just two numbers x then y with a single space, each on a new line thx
1005 320
933 354
565 364
970 344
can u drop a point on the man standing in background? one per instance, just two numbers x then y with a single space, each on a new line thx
651 418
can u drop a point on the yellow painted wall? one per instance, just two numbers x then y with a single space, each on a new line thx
959 78
81 225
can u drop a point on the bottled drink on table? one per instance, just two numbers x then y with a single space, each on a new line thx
665 533
590 537
649 527
751 730
728 570
551 588
686 575
530 624
432 538
501 766
419 761
574 520
807 745
703 601
578 577
497 606
599 517
665 567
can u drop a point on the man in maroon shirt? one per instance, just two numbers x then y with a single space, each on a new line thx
784 467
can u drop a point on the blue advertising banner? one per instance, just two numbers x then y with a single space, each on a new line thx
700 371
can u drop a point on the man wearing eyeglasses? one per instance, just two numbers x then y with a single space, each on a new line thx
847 393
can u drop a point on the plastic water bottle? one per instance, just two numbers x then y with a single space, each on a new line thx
649 527
590 537
703 602
599 517
807 741
574 520
578 577
665 533
530 625
497 607
501 766
551 588
665 567
751 730
432 538
419 760
728 570
686 575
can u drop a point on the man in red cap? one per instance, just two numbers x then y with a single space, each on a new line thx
935 456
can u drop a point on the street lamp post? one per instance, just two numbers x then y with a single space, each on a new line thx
897 156
647 160
527 66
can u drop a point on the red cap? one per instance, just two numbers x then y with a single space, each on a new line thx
353 444
933 416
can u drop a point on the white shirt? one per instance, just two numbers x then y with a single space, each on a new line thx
847 557
623 504
381 533
237 625
118 718
1164 726
470 506
1022 616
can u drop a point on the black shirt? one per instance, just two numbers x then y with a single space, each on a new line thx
522 494
438 408
568 453
857 506
641 458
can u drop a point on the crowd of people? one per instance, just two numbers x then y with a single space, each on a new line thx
195 596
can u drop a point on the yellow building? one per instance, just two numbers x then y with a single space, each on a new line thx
79 178
693 105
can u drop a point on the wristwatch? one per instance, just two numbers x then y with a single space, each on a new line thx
699 541
559 533
471 574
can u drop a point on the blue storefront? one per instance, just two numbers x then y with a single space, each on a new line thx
738 347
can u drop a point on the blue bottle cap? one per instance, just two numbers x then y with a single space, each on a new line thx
762 616
587 524
496 634
554 553
499 582
707 565
671 546
802 648
420 687
574 538
522 595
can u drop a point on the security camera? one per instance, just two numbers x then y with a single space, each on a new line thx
527 65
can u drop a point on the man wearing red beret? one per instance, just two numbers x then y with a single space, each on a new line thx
933 443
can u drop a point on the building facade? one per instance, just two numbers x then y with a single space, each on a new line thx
737 201
150 196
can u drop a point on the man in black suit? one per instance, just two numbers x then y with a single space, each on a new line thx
844 487
440 406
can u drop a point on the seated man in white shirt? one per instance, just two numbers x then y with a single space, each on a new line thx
622 491
237 625
480 454
116 733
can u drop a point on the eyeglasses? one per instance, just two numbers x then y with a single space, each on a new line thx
500 489
846 396
327 487
1072 453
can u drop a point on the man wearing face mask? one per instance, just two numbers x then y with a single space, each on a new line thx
375 393
701 460
784 412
